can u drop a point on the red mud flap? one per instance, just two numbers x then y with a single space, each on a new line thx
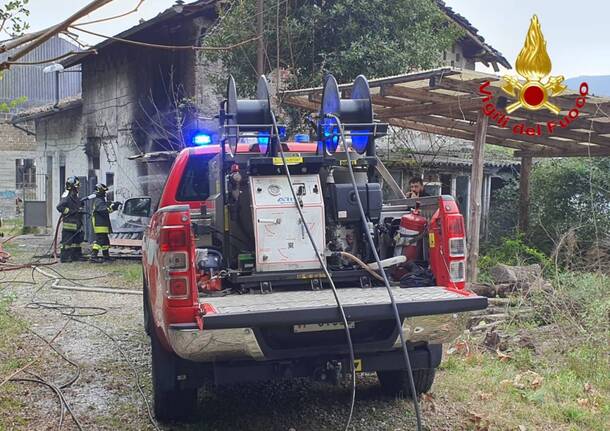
303 307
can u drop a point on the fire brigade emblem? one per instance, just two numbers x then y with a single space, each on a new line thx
534 64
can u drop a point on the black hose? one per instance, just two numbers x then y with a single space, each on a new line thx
382 270
348 335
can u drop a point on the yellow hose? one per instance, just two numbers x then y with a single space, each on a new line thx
361 263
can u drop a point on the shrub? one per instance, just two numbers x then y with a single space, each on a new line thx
569 195
514 251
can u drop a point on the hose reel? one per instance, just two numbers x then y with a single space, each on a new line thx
355 113
248 118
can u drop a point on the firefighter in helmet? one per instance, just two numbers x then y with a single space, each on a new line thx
71 210
101 223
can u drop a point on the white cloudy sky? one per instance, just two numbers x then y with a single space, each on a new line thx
577 33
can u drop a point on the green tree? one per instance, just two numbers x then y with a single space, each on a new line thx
570 194
13 16
343 37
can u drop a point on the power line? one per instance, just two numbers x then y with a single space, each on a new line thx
97 21
168 47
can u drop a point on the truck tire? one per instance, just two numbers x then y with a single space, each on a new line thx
396 382
169 403
146 307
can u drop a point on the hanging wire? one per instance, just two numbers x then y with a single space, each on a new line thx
168 47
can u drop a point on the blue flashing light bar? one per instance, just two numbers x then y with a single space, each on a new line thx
301 137
202 139
263 138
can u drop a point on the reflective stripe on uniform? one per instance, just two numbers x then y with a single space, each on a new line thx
70 226
99 229
66 210
100 247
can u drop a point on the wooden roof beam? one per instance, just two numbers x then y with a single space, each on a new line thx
414 94
559 132
565 102
492 132
454 106
299 102
427 128
387 102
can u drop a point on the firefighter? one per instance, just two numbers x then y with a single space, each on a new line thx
71 210
101 223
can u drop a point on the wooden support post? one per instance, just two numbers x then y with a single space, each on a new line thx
486 206
524 192
476 182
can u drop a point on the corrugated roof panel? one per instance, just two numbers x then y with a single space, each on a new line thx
31 82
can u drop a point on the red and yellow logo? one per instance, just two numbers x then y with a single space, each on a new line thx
534 92
534 65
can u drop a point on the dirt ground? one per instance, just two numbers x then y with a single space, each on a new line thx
101 339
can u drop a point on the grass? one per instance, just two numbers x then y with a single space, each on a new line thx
131 273
562 384
10 329
571 393
11 227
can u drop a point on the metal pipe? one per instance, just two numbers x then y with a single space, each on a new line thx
56 89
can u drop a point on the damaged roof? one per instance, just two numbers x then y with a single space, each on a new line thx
489 53
486 53
179 9
47 110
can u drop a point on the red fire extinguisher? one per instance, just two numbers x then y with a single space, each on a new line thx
410 233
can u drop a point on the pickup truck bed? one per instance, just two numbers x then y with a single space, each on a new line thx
360 304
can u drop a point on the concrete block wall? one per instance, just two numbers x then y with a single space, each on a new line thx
60 143
14 144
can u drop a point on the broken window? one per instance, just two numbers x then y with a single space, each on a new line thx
25 173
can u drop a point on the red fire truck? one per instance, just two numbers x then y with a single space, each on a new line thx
261 250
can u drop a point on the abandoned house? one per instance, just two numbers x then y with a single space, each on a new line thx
22 88
130 100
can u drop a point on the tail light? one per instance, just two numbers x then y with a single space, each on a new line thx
457 247
172 238
176 261
178 288
455 224
447 245
457 271
174 248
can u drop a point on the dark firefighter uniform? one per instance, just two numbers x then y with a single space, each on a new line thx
101 223
71 210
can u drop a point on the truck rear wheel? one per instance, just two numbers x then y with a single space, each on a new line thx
396 382
170 403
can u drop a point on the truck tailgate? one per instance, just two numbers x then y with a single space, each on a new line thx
319 306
